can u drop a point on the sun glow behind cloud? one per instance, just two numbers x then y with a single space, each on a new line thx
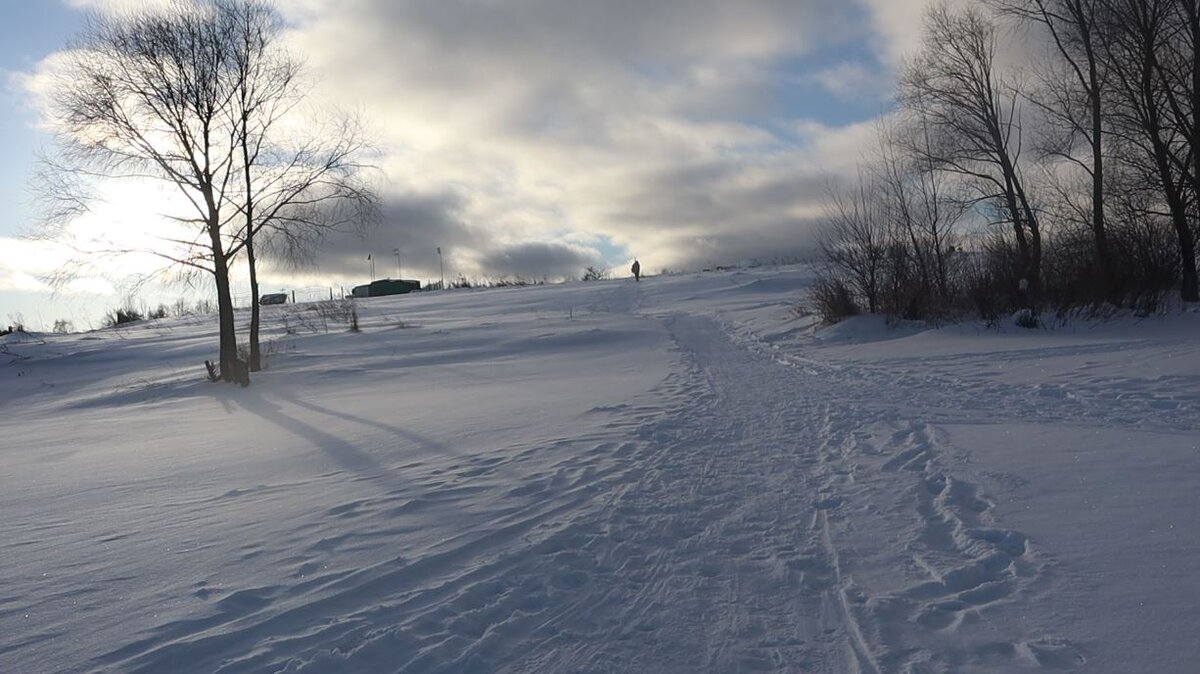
131 218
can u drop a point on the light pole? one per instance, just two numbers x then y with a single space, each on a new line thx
372 261
441 268
399 273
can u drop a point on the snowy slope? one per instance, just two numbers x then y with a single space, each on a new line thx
668 476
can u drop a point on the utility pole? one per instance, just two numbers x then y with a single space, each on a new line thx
399 273
372 261
441 268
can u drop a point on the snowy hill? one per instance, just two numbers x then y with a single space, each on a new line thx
676 475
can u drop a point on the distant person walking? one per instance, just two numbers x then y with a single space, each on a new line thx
637 270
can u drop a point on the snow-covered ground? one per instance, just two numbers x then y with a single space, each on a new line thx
668 476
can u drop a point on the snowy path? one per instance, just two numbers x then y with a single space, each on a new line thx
615 477
739 530
739 547
706 547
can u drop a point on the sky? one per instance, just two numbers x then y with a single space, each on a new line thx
527 138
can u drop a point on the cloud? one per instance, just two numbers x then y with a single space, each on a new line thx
516 135
538 259
853 81
415 223
24 264
119 6
897 25
14 279
655 124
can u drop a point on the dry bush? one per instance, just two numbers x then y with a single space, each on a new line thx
832 299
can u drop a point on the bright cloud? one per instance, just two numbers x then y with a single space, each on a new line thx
25 264
536 137
897 25
850 81
119 5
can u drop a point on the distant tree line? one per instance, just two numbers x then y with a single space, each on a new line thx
200 96
1084 165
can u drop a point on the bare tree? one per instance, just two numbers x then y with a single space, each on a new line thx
921 204
1150 112
195 97
974 120
143 97
855 239
294 187
1073 99
264 93
1178 69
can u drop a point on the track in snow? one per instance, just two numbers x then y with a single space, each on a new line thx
746 516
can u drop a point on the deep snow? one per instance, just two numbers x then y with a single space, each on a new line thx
676 475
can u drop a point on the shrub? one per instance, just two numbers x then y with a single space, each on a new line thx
516 281
266 352
17 325
122 316
1026 318
317 316
179 308
595 274
832 299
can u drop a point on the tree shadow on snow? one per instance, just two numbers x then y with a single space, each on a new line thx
344 453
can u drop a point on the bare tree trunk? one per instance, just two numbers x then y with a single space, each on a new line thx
1099 229
1035 236
228 336
255 363
1014 201
1194 27
1187 246
1189 284
1189 291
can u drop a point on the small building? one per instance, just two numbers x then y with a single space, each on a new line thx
385 286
